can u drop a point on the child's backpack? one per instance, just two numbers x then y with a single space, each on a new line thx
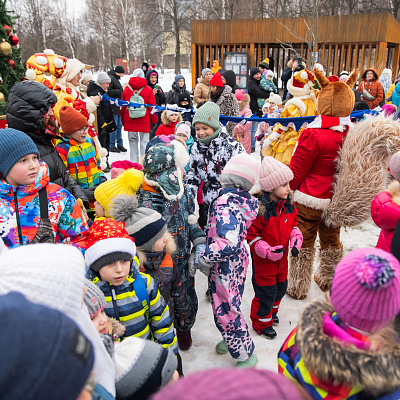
141 292
136 112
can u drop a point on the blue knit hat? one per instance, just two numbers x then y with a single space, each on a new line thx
13 146
44 355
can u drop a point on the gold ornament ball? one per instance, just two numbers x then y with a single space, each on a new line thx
5 48
2 98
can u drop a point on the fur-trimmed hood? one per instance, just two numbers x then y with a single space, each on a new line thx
261 205
244 103
165 120
376 372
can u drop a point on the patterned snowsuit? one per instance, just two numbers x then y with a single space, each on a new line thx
230 216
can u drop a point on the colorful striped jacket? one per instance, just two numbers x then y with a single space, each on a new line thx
81 160
123 304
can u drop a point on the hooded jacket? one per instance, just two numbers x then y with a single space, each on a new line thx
27 102
201 91
115 90
20 211
385 211
159 96
230 78
373 87
326 368
138 124
217 67
242 132
173 94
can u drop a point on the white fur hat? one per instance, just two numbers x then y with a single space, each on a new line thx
72 69
275 98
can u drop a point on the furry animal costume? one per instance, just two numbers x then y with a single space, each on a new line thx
313 166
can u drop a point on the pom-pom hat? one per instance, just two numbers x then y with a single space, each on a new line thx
365 289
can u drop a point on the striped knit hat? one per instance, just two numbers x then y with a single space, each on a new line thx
93 298
273 174
365 289
241 172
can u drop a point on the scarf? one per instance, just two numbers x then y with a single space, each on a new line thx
335 123
208 139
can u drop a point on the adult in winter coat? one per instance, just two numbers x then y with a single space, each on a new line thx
286 75
370 88
138 128
29 109
178 87
152 82
242 132
202 89
115 91
256 91
229 78
222 95
314 167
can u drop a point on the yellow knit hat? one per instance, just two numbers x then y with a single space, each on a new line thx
128 183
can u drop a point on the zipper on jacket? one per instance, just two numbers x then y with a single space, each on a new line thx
114 301
17 217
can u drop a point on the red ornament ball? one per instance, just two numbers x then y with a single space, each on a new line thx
12 63
13 40
7 29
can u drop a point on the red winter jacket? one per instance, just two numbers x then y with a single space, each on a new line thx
166 129
385 211
313 166
273 224
138 124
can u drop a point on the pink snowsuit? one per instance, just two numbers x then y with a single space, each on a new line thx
242 132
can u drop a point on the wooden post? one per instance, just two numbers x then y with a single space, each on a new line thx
395 66
341 61
251 61
356 58
380 56
349 58
362 61
328 63
222 52
277 62
194 65
198 58
302 51
322 62
369 55
335 54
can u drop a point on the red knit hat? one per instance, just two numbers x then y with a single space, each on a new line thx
71 120
108 241
216 80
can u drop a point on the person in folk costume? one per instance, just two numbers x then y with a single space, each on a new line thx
281 143
314 167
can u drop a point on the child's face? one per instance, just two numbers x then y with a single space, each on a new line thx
173 118
80 134
184 103
99 210
203 131
160 244
281 192
116 272
100 321
182 136
265 109
24 172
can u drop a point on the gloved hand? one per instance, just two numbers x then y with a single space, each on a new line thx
192 266
102 179
273 137
264 250
199 248
296 240
204 266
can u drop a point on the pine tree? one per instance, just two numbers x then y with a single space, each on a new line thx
12 70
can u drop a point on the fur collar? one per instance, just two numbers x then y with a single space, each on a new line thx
394 191
328 360
262 208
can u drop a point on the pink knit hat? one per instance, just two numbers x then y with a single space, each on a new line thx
394 165
239 94
183 128
241 171
273 174
118 167
366 289
232 384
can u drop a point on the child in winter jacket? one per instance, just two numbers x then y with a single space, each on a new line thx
183 132
78 152
242 130
126 183
347 347
164 191
131 296
32 210
169 120
385 208
225 259
269 237
208 156
266 82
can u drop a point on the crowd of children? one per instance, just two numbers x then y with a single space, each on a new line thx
108 288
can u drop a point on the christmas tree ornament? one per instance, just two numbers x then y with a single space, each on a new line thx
2 98
7 29
12 64
13 40
5 48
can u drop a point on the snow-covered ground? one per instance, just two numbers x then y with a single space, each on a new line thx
205 335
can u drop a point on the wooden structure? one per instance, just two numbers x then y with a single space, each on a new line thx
345 42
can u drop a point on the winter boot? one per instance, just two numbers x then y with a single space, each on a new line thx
184 340
328 259
275 319
300 272
268 332
250 362
221 348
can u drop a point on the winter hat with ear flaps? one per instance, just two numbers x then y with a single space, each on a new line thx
365 289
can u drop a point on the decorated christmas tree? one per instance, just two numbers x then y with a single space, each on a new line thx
12 70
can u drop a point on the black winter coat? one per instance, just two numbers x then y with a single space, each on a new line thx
27 102
230 78
255 92
105 116
115 90
160 96
173 94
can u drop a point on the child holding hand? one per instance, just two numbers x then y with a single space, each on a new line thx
269 238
